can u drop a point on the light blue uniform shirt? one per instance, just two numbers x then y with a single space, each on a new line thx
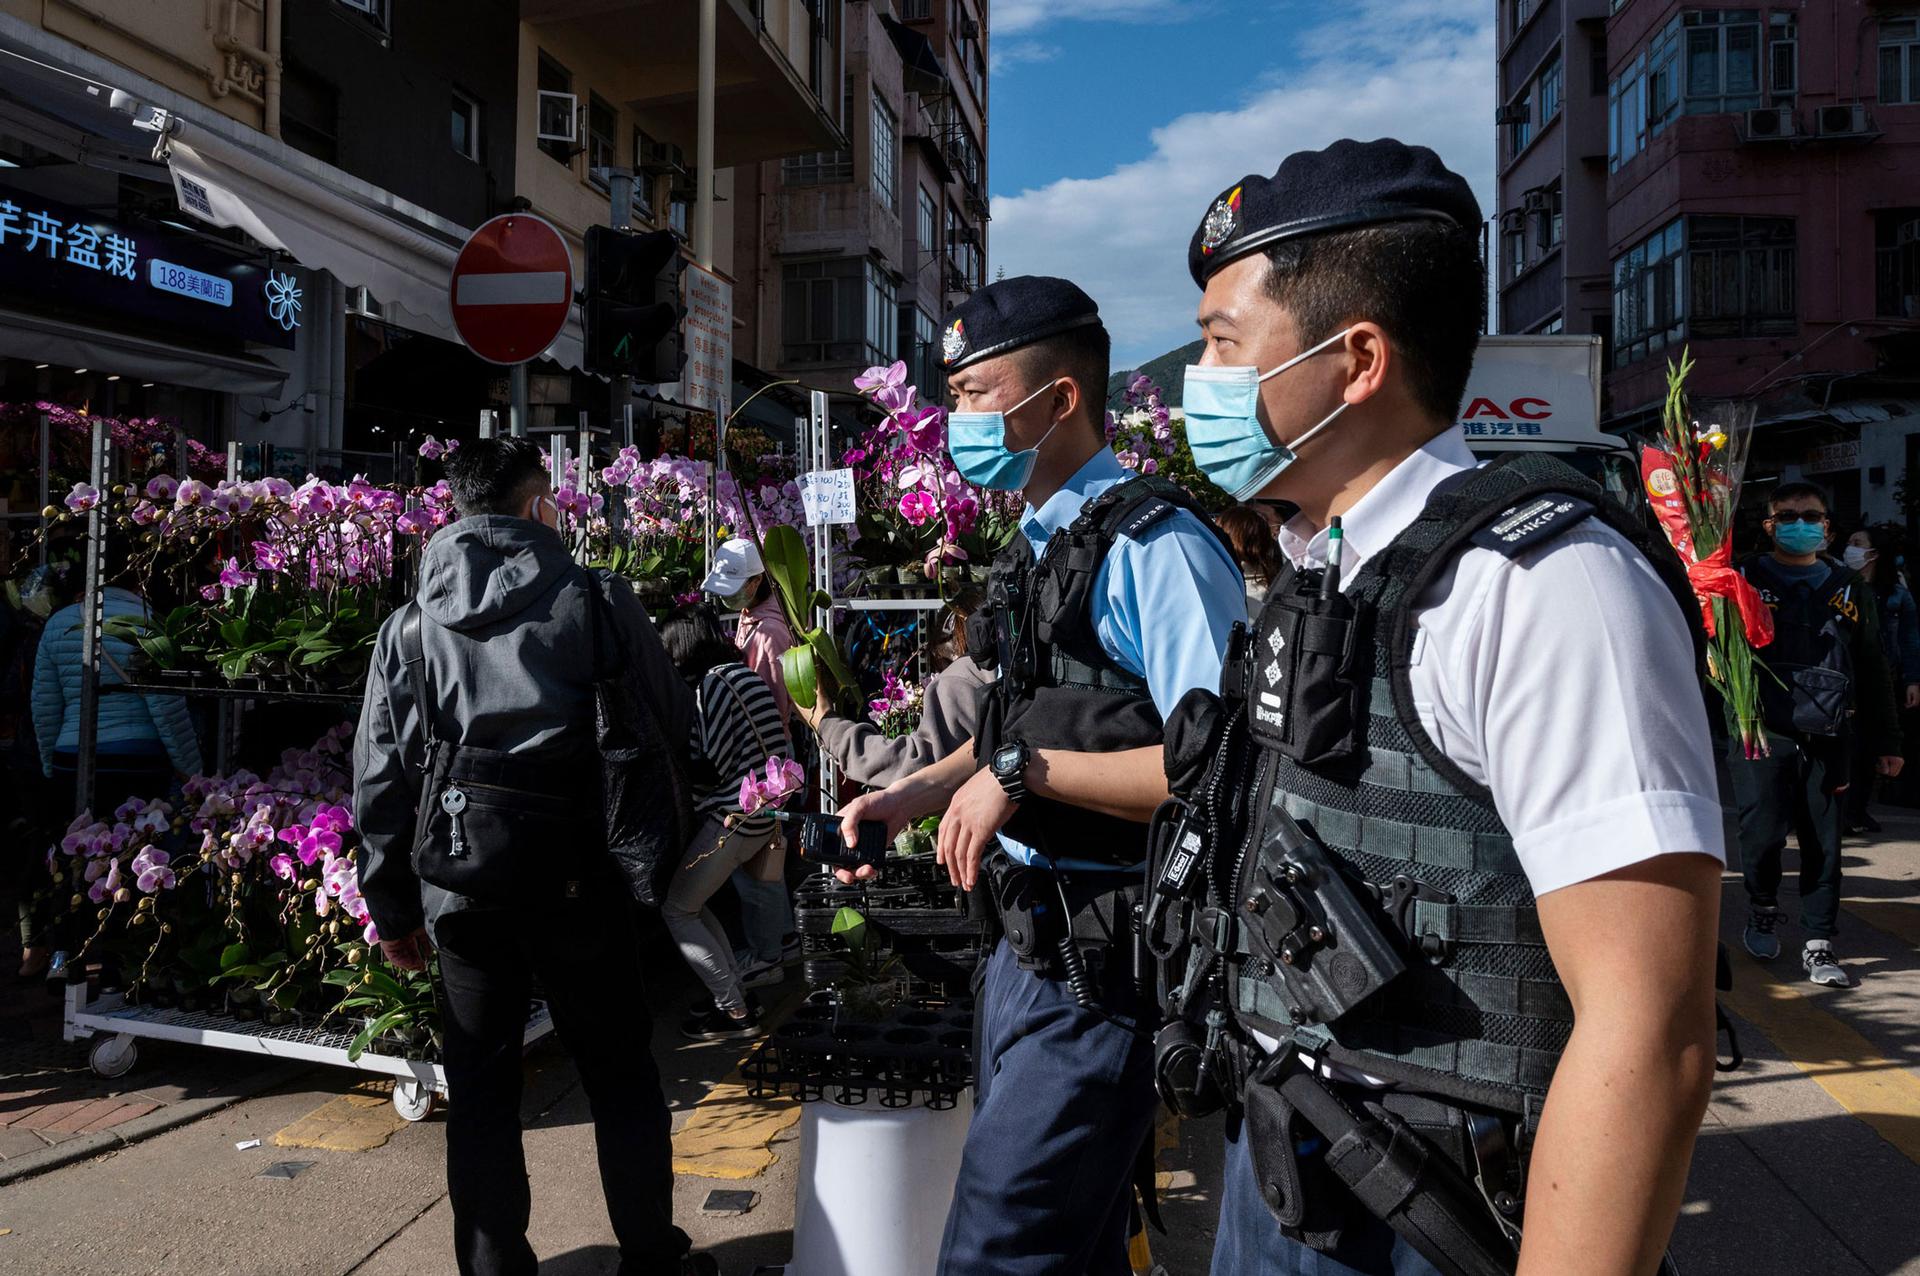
1163 605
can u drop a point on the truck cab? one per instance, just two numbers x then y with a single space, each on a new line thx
1542 394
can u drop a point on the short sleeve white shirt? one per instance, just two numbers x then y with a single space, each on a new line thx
1562 679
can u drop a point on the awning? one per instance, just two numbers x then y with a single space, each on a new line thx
25 336
329 220
924 74
1852 412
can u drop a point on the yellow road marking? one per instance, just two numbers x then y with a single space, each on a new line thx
357 1121
1166 1138
1874 1088
727 1135
1896 917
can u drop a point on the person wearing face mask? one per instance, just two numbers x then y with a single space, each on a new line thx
491 670
1874 552
1831 693
1460 746
1114 601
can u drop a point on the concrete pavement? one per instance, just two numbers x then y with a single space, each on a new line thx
1808 1162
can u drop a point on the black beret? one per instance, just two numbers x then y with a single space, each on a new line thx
1010 313
1347 185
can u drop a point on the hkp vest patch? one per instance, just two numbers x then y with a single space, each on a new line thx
1516 530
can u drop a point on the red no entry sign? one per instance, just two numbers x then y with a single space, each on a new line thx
512 288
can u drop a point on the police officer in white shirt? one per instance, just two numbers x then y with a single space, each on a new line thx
1479 737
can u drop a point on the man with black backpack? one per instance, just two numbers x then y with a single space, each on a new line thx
477 796
1828 666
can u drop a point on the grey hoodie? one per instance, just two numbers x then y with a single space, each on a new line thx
510 665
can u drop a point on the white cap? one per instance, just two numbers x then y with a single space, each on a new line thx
734 564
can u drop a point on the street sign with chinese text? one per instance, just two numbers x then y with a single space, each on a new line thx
708 329
1833 456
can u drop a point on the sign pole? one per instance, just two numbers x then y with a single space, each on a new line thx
517 410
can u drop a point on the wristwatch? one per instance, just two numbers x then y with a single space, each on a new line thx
1009 766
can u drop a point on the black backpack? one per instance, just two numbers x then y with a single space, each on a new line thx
1811 656
509 829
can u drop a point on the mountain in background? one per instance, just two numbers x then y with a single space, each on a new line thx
1165 372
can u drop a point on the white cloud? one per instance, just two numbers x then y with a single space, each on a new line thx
1022 51
1388 68
1010 17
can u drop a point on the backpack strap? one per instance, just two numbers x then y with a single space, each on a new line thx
413 651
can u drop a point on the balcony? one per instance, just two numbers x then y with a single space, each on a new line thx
1534 296
763 107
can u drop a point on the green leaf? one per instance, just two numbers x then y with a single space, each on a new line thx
234 955
378 1028
797 671
851 926
785 554
340 978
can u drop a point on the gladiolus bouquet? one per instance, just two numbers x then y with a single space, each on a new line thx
1693 484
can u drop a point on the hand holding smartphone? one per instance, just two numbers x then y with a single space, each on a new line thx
819 841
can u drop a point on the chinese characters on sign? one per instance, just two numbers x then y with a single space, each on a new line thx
84 246
708 339
1502 429
184 281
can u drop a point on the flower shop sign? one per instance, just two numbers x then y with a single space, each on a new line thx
52 252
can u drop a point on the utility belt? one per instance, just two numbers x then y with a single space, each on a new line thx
1080 929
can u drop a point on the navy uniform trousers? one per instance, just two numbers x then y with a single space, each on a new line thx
1065 1102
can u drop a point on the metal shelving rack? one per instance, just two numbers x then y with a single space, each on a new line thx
118 1026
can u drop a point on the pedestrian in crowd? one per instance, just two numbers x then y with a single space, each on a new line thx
740 581
1874 552
1112 602
143 742
1537 768
1831 692
738 731
30 823
948 719
503 644
1255 548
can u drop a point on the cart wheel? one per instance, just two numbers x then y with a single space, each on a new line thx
413 1101
113 1056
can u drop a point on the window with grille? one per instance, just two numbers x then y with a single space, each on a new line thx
1740 277
1649 294
1900 61
929 227
886 156
1723 60
603 128
822 310
1896 260
1783 59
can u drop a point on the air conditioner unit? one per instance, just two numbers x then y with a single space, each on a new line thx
1772 123
1536 201
558 118
1844 120
1518 113
969 29
664 157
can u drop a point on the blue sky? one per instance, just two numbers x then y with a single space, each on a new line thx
1115 122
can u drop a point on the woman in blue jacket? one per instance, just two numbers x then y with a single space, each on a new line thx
143 741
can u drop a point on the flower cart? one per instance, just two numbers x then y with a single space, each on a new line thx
116 1029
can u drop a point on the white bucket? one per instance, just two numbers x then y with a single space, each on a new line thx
874 1187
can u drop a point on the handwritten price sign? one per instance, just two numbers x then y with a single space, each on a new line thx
828 497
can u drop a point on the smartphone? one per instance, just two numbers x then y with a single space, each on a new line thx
820 841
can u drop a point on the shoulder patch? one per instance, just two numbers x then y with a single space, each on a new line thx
1532 522
1149 513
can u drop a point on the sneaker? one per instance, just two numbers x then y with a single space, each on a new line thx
1759 937
715 1024
762 974
1822 966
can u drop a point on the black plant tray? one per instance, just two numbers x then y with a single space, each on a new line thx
920 1053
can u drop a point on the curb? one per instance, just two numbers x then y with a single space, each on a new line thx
173 1115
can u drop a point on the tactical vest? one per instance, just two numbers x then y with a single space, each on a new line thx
1811 655
1058 687
1478 1015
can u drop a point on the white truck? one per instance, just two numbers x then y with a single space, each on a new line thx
1542 394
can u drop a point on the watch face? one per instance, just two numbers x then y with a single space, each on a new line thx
1006 758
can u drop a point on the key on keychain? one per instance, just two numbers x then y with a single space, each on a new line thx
453 802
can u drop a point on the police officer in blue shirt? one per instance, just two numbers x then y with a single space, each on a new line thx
1116 599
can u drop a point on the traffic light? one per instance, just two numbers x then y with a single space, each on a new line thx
633 304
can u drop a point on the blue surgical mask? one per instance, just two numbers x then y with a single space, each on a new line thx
1222 407
977 441
1799 538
